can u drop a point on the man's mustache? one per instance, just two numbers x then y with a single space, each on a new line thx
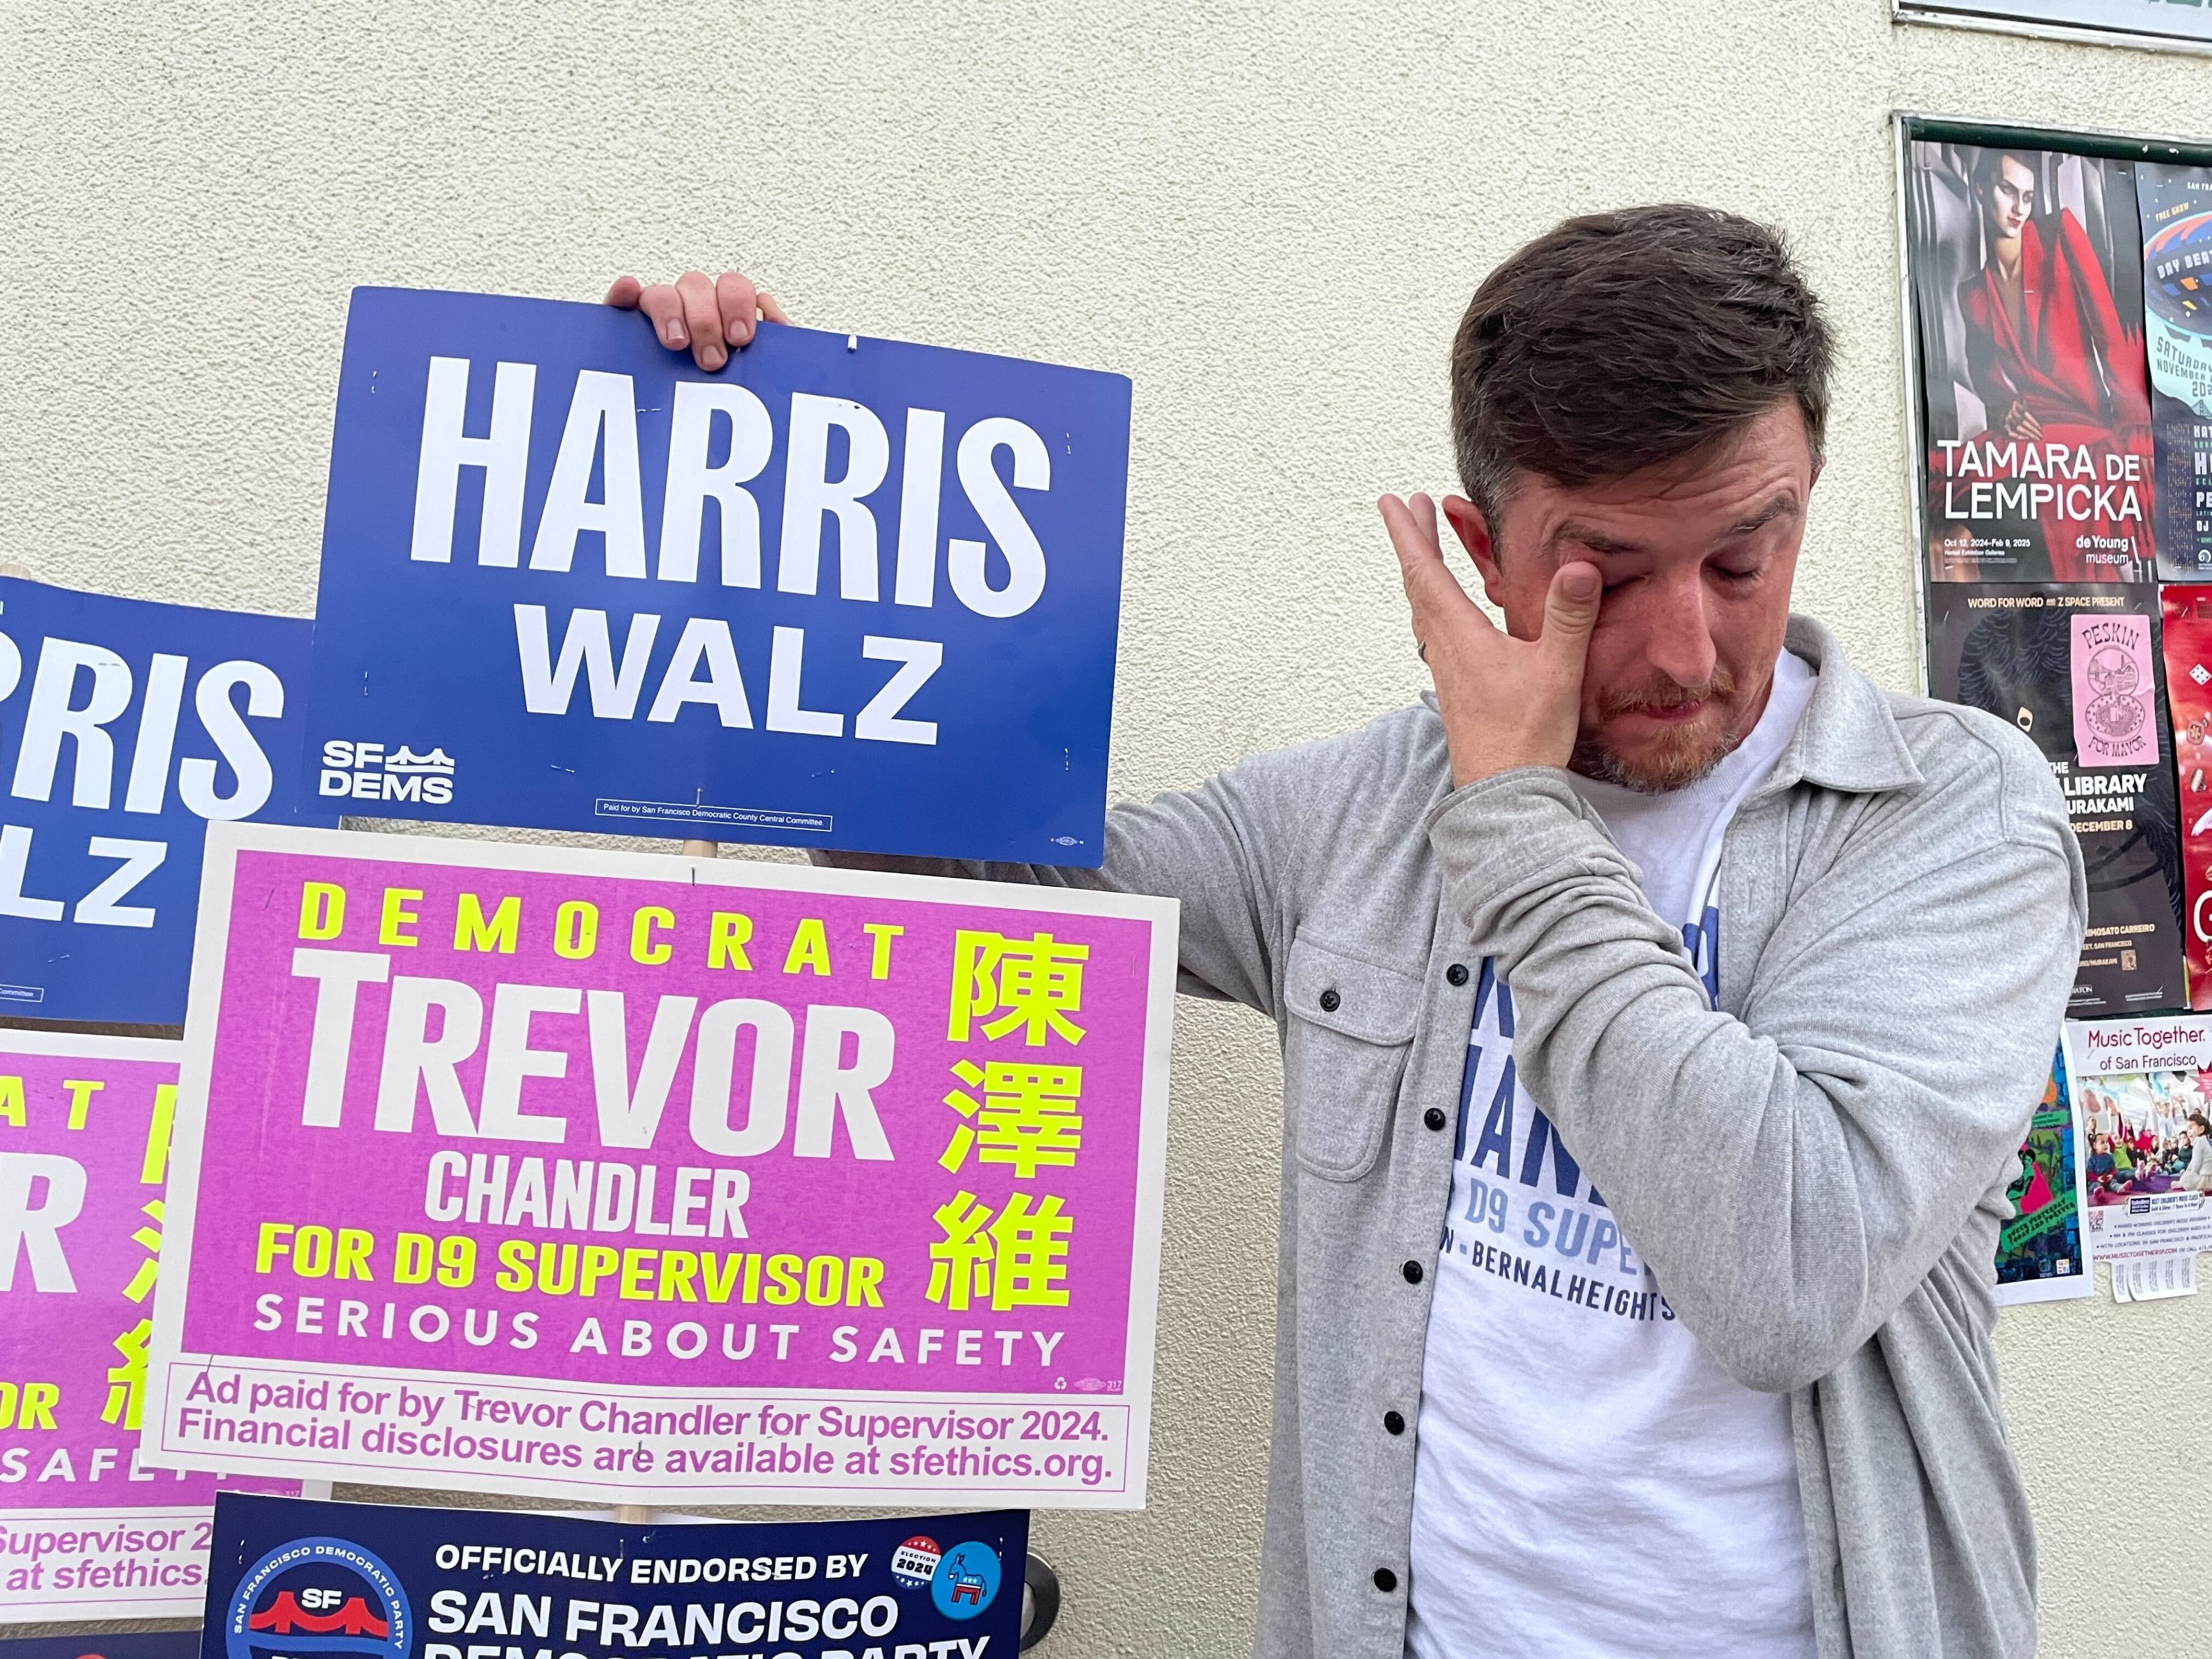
1662 699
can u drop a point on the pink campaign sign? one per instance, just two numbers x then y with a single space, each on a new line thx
622 1175
86 1528
2115 692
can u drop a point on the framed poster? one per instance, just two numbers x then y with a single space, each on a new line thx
638 1179
2051 320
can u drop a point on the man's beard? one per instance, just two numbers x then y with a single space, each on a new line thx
1676 758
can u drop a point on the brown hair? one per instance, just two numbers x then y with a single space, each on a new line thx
1620 340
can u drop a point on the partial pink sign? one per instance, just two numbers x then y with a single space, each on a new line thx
87 1529
2115 692
632 1177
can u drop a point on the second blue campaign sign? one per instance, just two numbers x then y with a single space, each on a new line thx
125 727
843 592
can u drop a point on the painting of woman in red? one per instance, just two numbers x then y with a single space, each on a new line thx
2054 364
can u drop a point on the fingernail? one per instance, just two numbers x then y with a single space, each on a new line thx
672 331
1581 582
712 357
736 333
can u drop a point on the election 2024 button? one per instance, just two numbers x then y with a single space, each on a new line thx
967 1580
914 1563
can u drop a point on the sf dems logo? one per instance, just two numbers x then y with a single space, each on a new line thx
319 1596
364 771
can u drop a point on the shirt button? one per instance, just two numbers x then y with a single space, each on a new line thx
1385 1580
1412 1272
1456 972
1330 1002
1434 1117
1394 1422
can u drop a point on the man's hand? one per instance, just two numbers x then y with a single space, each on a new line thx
1506 702
714 316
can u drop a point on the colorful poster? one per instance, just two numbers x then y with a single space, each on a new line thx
638 1178
2187 639
366 1581
842 592
2027 653
2176 203
2113 682
2040 1255
124 727
87 1529
2026 280
2144 1089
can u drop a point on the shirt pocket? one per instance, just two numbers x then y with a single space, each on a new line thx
1349 1030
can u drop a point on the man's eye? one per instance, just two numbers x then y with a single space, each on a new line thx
1727 573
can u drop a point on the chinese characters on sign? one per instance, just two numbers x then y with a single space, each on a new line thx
87 1529
1022 992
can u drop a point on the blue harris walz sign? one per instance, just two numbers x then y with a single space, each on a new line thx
844 593
288 1577
124 726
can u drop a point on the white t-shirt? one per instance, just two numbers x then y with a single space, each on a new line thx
1588 1483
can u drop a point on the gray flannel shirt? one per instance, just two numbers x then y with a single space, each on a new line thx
1815 1171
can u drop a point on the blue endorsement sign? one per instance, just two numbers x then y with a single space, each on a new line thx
843 592
288 1578
124 726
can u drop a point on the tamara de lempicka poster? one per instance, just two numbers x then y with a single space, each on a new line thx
2025 267
87 1530
628 1177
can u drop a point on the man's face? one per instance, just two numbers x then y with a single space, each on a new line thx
1698 556
2012 198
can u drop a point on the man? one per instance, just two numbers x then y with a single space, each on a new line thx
1662 1009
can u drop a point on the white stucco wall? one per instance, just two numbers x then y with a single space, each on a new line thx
1269 216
